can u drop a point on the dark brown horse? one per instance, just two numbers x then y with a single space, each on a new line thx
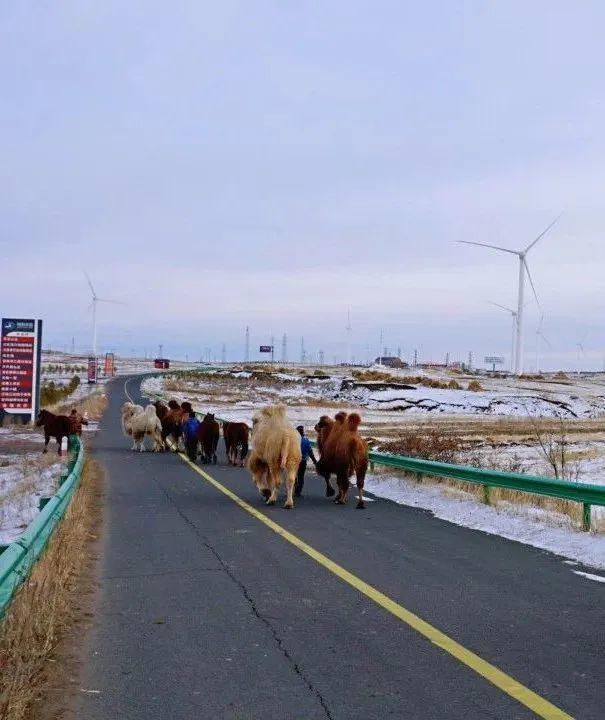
236 436
208 434
56 426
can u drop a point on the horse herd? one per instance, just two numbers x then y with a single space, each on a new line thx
276 445
164 424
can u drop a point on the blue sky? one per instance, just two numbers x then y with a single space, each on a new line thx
217 165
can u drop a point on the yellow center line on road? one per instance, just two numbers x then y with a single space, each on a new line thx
539 705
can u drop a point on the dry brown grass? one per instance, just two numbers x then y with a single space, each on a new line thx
93 405
373 376
49 602
475 386
430 445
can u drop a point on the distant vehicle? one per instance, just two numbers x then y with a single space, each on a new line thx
161 363
391 361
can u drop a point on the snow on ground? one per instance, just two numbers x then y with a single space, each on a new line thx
25 476
535 526
532 526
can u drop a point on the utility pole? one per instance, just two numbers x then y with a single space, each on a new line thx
272 348
247 350
380 350
161 347
224 353
399 352
303 355
284 348
415 358
349 333
470 360
321 357
447 359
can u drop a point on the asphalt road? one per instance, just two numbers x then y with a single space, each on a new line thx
206 612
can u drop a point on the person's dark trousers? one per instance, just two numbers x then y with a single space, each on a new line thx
300 477
191 448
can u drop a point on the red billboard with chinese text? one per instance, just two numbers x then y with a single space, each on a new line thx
20 348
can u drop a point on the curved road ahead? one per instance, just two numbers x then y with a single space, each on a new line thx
213 609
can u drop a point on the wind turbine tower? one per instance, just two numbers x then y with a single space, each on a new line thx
523 269
284 348
96 299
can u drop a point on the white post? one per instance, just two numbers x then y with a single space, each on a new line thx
94 334
519 346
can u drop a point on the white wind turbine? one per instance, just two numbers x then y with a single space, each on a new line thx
96 299
514 332
541 336
523 268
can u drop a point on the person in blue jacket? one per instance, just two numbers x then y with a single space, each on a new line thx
307 452
190 436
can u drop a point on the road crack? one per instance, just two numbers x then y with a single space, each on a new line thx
254 608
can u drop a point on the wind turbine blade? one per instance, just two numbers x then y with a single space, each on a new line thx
533 287
493 247
112 302
503 307
92 290
542 234
544 338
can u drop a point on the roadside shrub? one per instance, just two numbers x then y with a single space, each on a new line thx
430 444
475 386
51 394
454 385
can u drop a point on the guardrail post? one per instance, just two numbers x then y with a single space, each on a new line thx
487 495
586 516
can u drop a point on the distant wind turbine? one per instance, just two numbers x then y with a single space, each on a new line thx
514 317
96 299
523 268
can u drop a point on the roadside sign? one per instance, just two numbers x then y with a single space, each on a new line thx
20 352
109 368
266 348
494 360
92 370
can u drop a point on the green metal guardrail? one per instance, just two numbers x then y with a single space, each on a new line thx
19 557
584 493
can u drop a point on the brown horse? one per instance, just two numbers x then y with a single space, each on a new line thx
236 436
57 426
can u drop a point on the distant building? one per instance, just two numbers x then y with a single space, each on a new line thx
391 361
161 363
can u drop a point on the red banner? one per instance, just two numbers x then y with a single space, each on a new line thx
109 365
